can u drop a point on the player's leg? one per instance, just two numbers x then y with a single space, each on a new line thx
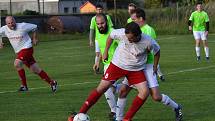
197 37
139 81
121 102
18 64
205 44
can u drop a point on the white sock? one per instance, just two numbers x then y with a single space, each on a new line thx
197 51
206 51
121 102
110 97
169 102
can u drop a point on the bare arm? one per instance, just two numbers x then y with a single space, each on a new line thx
156 61
91 37
108 44
34 37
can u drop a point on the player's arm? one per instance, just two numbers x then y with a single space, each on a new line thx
156 50
35 37
207 24
91 37
190 22
97 58
1 35
108 44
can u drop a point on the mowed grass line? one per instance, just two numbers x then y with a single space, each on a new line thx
69 60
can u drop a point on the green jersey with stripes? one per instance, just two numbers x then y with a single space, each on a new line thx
102 39
199 19
94 26
148 30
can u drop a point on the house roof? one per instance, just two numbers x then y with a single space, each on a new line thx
88 2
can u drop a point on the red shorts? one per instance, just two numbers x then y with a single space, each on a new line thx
26 55
113 73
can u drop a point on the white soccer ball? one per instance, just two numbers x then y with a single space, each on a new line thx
81 117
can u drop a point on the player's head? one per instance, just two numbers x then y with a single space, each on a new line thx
101 22
10 22
99 9
131 7
199 6
139 16
133 32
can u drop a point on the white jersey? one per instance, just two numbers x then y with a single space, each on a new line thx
19 37
132 56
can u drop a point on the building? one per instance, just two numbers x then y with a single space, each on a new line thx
87 7
46 6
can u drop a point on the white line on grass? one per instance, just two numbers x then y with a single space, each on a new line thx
82 83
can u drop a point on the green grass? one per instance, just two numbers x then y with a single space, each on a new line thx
69 60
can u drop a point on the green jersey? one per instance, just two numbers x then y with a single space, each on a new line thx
102 39
146 29
94 26
199 19
129 20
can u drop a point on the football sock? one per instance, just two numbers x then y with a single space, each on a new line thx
197 51
169 102
136 104
110 97
91 100
43 75
121 103
206 51
22 77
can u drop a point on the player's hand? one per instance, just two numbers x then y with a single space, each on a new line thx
206 33
155 69
96 68
35 42
190 28
105 56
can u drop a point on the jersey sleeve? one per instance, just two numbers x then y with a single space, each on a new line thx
154 46
191 17
206 17
110 23
93 23
115 34
29 27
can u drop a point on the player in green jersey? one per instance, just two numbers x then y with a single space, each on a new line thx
93 28
131 7
138 16
100 43
200 29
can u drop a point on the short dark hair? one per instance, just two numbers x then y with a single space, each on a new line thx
198 2
132 5
99 6
140 13
133 28
102 15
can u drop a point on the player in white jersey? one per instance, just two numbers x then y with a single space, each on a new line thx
17 33
138 16
128 61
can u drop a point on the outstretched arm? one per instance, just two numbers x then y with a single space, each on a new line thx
108 44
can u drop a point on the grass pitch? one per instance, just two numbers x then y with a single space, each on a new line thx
69 60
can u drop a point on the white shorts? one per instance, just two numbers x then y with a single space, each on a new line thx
97 49
150 77
199 35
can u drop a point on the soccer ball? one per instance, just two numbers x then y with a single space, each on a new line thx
81 117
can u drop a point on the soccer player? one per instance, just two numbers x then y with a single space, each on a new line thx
17 33
100 42
128 61
138 16
131 8
93 28
200 21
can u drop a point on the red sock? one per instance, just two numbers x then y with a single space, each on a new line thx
22 77
91 100
43 75
137 103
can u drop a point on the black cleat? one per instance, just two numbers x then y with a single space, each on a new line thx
23 89
198 58
54 86
207 58
178 113
112 116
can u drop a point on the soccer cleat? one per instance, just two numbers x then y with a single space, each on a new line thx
23 89
178 113
198 58
162 78
54 86
207 58
71 117
112 116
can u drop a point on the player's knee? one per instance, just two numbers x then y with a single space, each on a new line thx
157 98
123 91
143 93
17 64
